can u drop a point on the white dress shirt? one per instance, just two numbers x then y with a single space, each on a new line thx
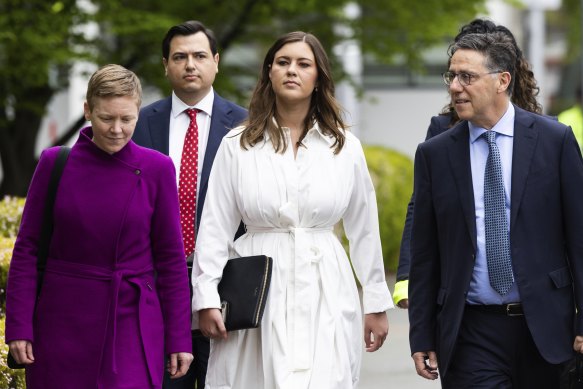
179 122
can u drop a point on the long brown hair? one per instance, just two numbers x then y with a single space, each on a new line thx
324 108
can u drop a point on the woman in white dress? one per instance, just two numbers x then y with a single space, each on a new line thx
291 173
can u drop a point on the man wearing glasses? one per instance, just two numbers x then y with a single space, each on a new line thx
496 273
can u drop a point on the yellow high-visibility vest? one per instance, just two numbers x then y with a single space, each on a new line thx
573 117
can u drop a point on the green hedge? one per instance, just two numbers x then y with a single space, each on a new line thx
392 176
10 215
6 245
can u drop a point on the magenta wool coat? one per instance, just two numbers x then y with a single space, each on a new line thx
115 296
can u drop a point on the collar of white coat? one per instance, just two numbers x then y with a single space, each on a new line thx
314 129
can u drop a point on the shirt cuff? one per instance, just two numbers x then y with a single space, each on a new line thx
376 298
205 295
401 291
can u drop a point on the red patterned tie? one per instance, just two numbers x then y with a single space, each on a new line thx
187 182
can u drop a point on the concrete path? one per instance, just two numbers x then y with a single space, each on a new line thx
391 367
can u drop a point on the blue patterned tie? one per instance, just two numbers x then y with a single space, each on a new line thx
497 233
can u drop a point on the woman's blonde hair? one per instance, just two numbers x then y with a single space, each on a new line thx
113 81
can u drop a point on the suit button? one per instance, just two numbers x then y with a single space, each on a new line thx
137 172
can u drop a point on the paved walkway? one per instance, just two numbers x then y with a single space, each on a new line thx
392 367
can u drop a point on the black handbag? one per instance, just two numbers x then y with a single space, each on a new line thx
243 290
46 231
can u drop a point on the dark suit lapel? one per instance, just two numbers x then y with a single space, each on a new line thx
221 123
525 137
159 126
459 159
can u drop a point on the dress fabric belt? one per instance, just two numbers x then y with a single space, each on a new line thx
305 255
115 276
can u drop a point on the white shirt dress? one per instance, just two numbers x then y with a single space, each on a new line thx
311 335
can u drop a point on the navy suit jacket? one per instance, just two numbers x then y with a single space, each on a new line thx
546 225
438 124
153 128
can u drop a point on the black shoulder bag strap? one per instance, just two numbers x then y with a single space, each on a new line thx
46 230
47 225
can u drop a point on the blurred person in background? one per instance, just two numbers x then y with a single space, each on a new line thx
574 117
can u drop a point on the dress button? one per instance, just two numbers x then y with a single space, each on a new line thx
137 172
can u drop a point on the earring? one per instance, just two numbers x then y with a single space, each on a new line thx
316 89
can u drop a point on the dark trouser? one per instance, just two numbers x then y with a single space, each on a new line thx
497 351
195 378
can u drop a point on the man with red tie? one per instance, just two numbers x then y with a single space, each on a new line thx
189 126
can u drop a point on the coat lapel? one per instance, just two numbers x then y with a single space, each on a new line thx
159 126
525 137
459 159
221 123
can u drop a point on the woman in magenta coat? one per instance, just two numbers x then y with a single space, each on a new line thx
115 296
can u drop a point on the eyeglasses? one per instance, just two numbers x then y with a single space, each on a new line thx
463 78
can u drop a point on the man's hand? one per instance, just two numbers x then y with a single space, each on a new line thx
211 323
403 304
426 364
376 329
178 364
578 344
21 350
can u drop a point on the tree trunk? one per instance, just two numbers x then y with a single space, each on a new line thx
18 141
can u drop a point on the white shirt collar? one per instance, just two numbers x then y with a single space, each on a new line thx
315 128
205 105
505 125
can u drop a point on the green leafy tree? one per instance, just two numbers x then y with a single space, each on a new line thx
40 39
37 44
569 17
567 22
